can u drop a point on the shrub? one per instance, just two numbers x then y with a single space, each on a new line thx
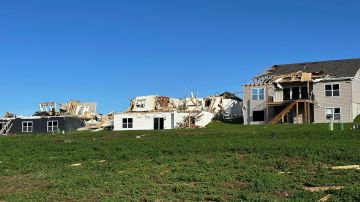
357 119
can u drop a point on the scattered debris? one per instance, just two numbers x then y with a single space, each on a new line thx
326 188
281 173
9 115
99 123
102 161
138 137
326 198
349 167
75 165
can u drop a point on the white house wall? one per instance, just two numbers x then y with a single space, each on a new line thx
145 121
206 118
149 103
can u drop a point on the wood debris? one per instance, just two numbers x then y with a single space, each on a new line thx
349 167
325 188
75 165
326 198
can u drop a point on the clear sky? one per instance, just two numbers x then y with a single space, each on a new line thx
110 51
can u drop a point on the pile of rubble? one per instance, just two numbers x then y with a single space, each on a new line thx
200 111
101 122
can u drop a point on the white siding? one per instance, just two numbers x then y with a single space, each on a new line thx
145 121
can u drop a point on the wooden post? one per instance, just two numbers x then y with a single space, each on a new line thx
266 102
297 112
305 112
309 112
308 90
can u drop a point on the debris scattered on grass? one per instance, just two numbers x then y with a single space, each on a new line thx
281 173
51 157
349 167
76 165
319 189
138 137
326 198
0 161
102 161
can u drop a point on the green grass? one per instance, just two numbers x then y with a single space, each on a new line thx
219 163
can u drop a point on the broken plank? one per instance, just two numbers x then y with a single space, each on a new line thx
349 167
326 188
326 198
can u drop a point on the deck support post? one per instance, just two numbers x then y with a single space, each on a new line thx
297 112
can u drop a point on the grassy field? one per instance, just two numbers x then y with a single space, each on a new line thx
218 163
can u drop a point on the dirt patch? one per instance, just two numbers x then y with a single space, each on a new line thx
240 156
294 160
22 183
283 194
236 185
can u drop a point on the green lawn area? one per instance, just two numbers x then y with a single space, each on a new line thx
218 163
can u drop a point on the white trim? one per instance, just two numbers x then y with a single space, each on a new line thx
258 95
27 127
127 123
332 89
52 127
333 113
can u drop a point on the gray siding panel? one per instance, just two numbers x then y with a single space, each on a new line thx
343 101
356 95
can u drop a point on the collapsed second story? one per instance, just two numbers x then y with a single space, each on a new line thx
226 104
322 89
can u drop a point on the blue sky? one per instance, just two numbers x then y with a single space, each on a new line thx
110 51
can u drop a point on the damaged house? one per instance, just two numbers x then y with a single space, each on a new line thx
313 92
160 112
51 118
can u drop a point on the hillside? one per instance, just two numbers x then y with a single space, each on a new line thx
219 163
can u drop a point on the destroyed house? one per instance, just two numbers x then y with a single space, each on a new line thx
160 112
312 92
38 124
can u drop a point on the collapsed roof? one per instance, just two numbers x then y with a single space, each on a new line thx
309 71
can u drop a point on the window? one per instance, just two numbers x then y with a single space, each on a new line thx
333 113
304 93
295 93
332 90
127 123
52 126
258 116
140 103
257 94
158 123
27 126
287 93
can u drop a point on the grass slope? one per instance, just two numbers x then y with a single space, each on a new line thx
219 163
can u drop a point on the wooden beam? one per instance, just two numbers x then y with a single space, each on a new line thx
309 112
305 113
297 112
267 106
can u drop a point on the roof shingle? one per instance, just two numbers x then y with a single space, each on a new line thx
338 68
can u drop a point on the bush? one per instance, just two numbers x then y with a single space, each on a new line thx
357 119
